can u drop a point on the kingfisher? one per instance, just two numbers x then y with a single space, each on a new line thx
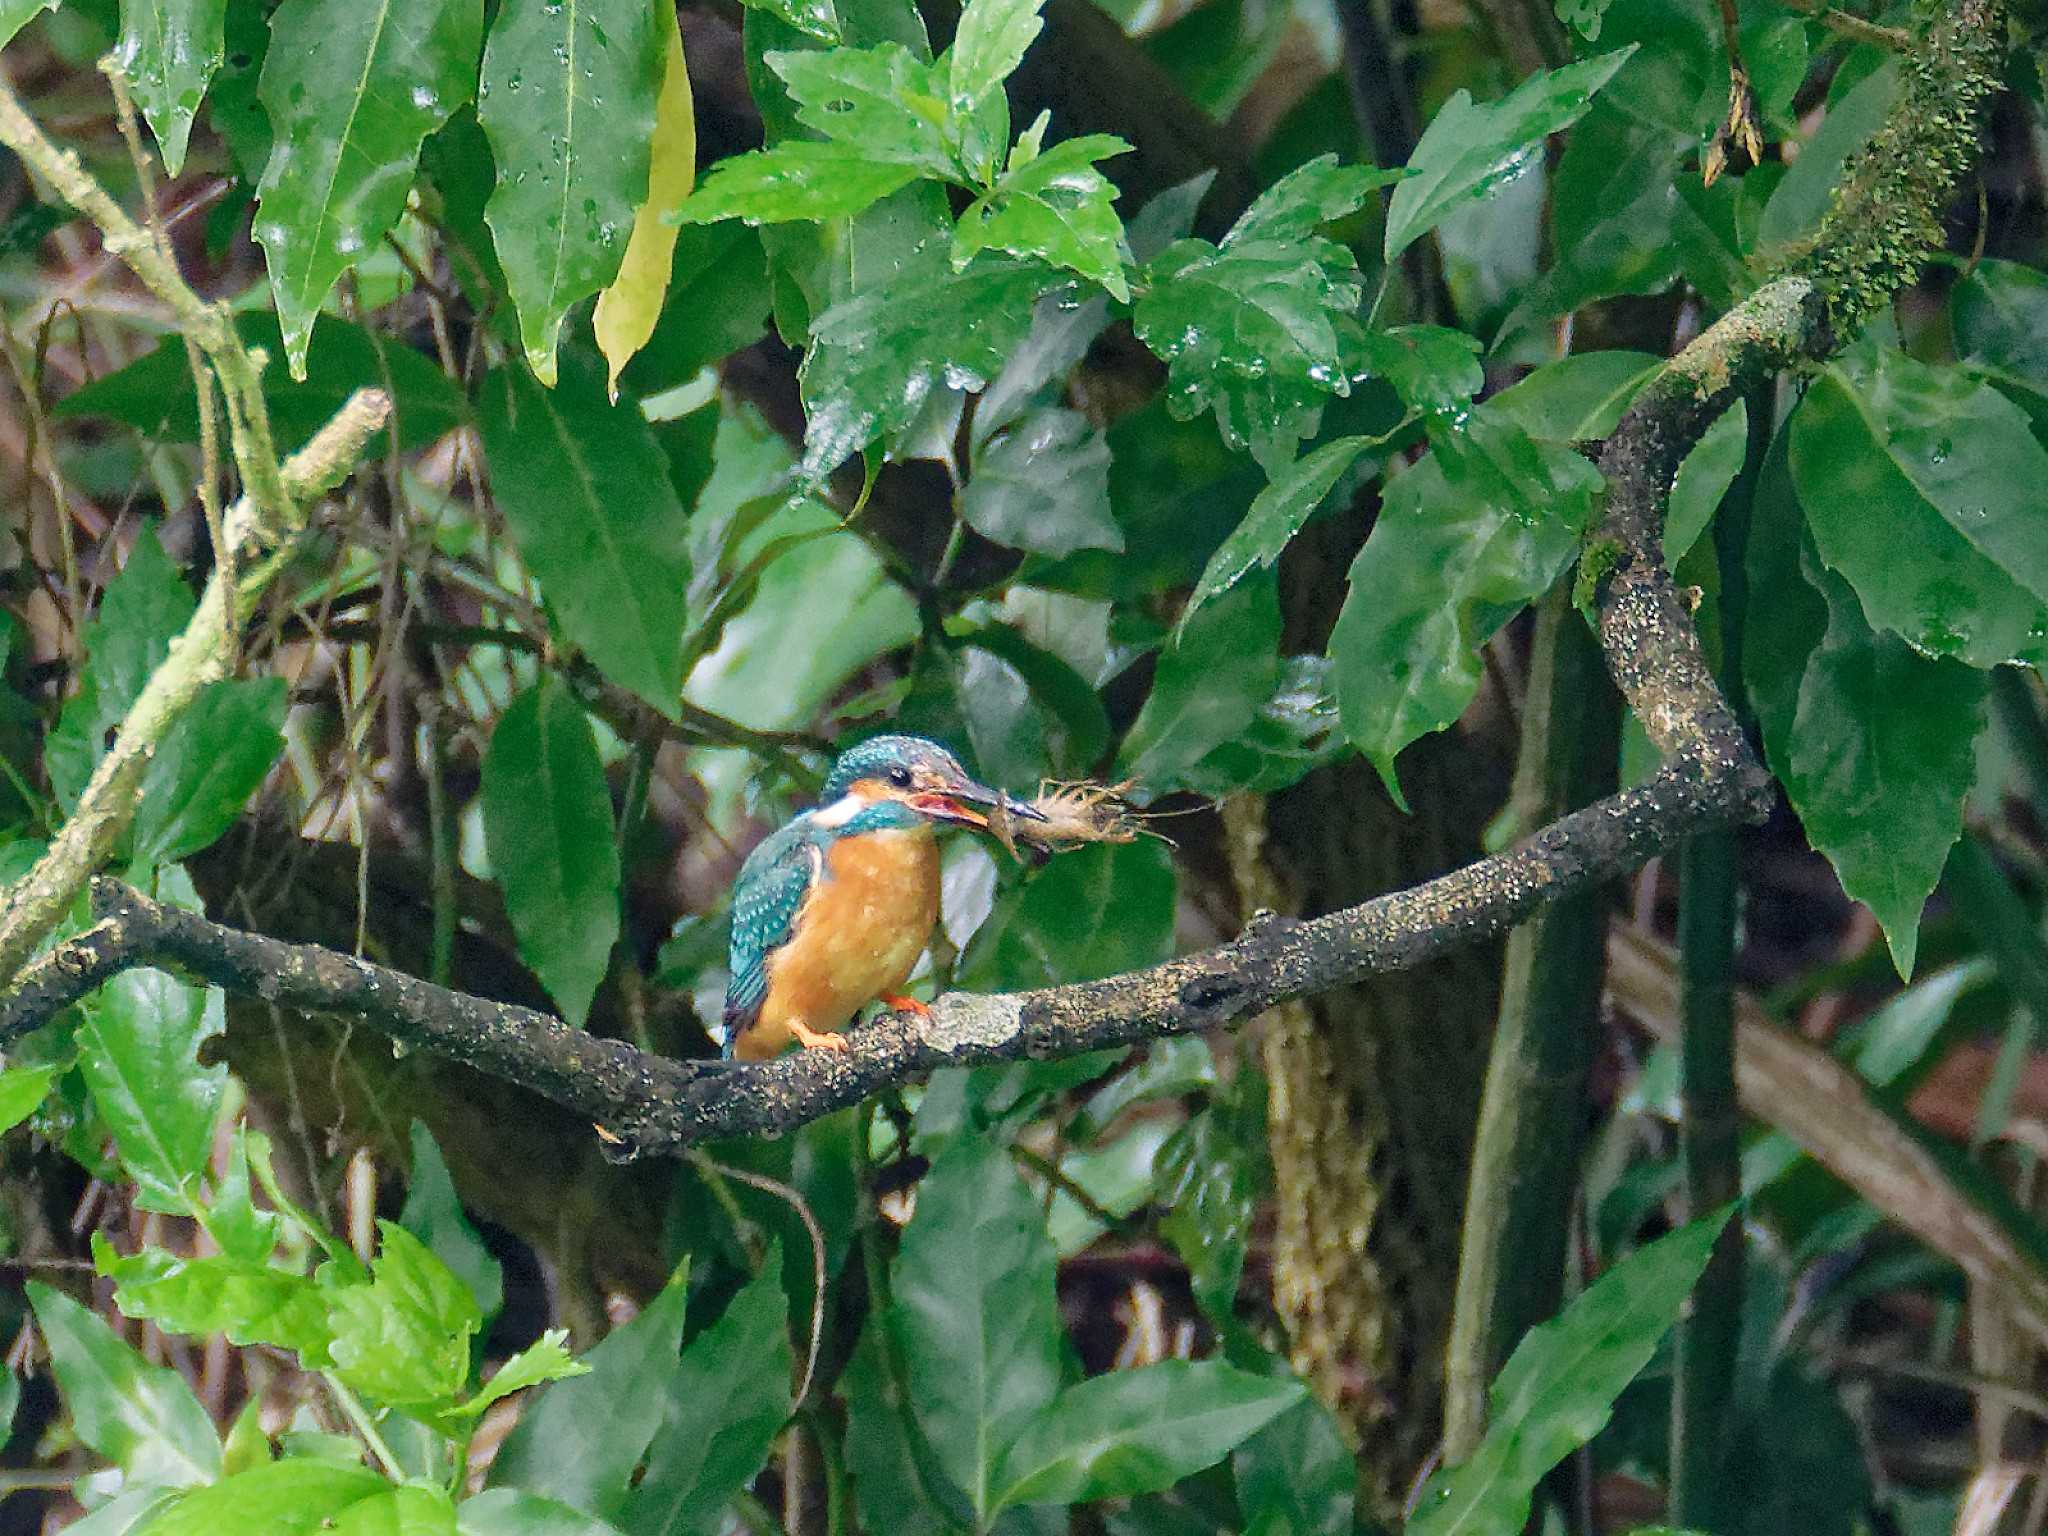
831 912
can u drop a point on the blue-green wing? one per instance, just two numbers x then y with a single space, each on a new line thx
772 885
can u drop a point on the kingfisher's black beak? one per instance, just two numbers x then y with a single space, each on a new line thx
968 804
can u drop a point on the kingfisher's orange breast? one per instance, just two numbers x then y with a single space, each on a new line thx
858 934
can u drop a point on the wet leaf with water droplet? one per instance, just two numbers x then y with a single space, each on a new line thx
169 50
1432 368
1874 742
797 180
883 101
1465 540
1255 332
339 82
876 358
1927 492
570 130
1056 205
813 18
1470 148
1277 514
987 46
1260 328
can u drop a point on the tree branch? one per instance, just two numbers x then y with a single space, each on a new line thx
257 528
645 1103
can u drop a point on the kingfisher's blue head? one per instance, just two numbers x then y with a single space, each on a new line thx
917 775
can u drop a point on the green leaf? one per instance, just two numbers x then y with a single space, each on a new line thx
231 1216
298 1496
141 1417
554 851
252 1302
1138 1431
798 180
22 1091
216 754
1090 913
352 88
1999 312
1254 331
1703 479
169 50
545 1359
1055 206
813 18
1926 490
1296 1476
1583 16
975 1310
567 100
408 1510
508 1512
881 101
718 302
1465 539
139 1052
823 608
1808 189
876 358
1277 514
1042 485
1435 370
1559 1386
988 45
1260 328
1874 743
154 393
1208 686
1315 193
585 488
893 1488
16 14
142 610
1576 398
403 1339
725 1404
433 1214
234 111
1470 150
580 1441
1028 715
1210 1174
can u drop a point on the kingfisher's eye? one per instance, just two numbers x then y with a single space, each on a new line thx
900 777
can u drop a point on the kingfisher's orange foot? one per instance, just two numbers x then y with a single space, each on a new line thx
896 1002
817 1040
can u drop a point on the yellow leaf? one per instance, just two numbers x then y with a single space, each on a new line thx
627 310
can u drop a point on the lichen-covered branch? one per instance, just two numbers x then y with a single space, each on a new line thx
650 1103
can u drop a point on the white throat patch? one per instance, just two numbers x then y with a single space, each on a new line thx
839 812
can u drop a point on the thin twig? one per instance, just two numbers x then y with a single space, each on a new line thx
195 360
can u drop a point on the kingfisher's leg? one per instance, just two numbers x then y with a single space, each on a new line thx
897 1002
817 1040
